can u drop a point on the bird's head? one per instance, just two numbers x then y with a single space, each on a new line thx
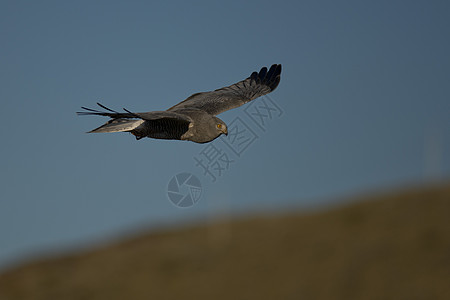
221 127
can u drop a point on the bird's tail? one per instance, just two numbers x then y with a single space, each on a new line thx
118 125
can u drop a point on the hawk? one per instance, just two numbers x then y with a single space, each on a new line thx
193 119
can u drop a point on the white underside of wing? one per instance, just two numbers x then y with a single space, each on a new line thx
118 125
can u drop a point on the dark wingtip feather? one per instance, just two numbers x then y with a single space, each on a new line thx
273 85
131 113
108 109
262 74
89 111
270 78
109 112
278 70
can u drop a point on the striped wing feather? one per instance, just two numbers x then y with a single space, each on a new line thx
226 98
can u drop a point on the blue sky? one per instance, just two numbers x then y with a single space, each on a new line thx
364 97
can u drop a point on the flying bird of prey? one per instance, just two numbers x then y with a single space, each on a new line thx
193 119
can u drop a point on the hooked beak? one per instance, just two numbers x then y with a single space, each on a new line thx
225 131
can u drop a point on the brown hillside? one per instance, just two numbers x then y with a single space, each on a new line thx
393 247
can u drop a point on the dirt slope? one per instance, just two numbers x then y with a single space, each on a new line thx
394 246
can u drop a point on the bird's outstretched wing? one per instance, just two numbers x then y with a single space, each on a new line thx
164 124
226 98
146 116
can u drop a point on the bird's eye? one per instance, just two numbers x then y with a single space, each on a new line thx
219 126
